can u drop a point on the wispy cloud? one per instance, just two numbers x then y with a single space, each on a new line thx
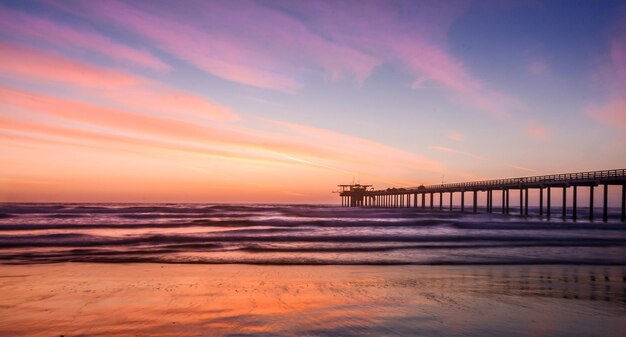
114 85
242 48
45 31
417 45
522 168
455 151
296 144
298 39
24 62
456 136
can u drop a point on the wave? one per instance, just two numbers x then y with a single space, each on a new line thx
295 234
337 223
70 240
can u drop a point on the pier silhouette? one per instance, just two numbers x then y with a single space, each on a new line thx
357 195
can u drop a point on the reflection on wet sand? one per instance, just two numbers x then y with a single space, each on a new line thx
216 300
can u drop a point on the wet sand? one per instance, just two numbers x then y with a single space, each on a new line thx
81 299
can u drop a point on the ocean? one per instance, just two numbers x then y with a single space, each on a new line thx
297 234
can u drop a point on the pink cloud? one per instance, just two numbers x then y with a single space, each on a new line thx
418 45
444 149
538 67
63 35
612 113
618 49
17 60
265 47
611 75
159 98
456 136
354 146
522 168
455 151
243 47
537 131
63 135
117 86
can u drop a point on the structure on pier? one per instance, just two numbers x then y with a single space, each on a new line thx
364 195
353 195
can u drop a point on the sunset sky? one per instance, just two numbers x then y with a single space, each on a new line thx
280 101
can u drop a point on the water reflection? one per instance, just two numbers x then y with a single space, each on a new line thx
241 300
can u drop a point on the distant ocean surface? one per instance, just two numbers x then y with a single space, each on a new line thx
296 234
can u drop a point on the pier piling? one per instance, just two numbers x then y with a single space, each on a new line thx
357 195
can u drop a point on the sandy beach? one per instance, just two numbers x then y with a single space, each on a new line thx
82 299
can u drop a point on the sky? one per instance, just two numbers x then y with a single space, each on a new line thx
280 101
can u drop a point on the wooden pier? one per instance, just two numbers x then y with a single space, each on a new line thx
357 195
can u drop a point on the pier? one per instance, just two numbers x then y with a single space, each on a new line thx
432 196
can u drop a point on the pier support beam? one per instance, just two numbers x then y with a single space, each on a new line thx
564 211
574 203
526 202
423 200
475 201
462 201
440 201
591 203
503 201
521 201
507 201
605 208
548 204
541 201
489 201
623 217
431 200
451 201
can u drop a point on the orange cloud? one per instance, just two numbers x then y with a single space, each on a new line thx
158 98
361 146
310 146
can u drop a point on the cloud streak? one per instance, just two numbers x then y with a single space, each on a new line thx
272 57
278 45
46 31
117 86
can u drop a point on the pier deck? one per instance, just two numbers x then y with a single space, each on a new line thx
357 195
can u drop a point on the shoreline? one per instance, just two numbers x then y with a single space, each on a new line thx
99 299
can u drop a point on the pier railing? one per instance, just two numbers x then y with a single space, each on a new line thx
363 195
552 179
